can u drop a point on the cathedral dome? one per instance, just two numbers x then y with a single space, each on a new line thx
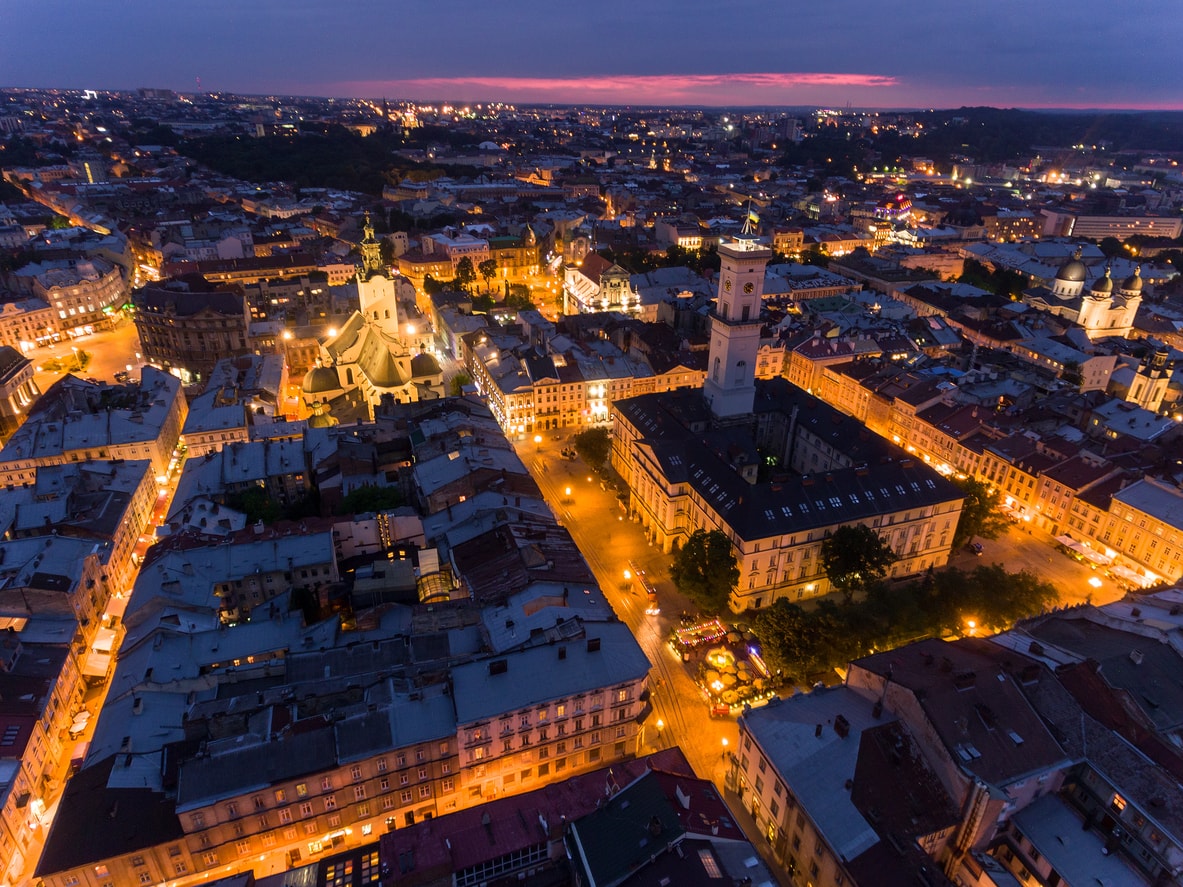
1073 271
1133 283
321 379
1104 285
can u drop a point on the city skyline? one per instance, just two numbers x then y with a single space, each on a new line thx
690 53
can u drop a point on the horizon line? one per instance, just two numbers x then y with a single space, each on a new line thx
694 91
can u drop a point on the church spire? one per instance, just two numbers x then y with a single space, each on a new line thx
371 250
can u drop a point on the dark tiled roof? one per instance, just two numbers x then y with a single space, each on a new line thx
459 840
183 304
133 819
879 481
980 714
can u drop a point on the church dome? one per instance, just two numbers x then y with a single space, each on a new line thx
321 379
1104 285
1133 283
321 419
1073 271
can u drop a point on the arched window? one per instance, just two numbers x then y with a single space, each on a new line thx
715 375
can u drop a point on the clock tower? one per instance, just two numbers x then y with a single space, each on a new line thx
730 387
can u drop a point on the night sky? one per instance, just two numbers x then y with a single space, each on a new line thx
1006 53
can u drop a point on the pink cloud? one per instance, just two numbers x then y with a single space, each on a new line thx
754 87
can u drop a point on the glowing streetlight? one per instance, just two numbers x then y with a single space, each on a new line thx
628 575
287 335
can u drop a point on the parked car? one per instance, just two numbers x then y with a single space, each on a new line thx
976 548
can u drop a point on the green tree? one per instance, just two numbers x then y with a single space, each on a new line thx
992 597
854 556
980 515
488 270
257 505
705 570
791 642
1111 247
465 275
370 498
1071 372
456 387
593 446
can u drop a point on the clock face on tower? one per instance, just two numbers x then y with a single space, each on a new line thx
727 284
748 287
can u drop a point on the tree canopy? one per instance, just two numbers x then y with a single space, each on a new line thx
705 570
1002 282
979 513
370 498
456 386
854 556
465 274
593 446
806 645
488 270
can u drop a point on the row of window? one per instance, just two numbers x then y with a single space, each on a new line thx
302 790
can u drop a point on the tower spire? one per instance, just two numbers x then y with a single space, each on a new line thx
371 250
